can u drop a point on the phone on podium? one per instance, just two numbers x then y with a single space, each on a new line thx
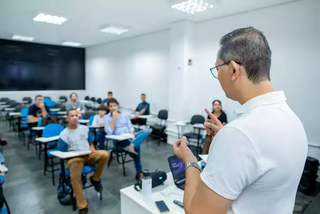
162 207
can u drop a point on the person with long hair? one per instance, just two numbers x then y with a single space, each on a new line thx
221 115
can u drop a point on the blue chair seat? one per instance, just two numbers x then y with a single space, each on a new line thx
50 155
4 210
24 126
86 169
51 143
1 180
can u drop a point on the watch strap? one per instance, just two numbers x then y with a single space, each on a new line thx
193 164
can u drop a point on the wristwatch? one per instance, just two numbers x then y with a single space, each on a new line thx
193 164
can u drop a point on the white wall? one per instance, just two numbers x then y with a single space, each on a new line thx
18 95
293 33
131 67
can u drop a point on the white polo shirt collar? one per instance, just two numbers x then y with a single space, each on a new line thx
265 99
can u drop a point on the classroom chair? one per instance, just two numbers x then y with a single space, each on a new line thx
48 102
5 208
158 130
65 179
87 115
195 119
27 100
87 98
22 127
63 99
99 100
50 130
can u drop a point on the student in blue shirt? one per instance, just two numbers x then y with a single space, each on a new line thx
105 101
117 123
143 109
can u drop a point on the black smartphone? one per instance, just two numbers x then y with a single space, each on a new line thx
162 207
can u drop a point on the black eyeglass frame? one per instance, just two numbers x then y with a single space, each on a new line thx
225 63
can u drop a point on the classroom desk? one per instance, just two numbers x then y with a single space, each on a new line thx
120 137
2 103
132 201
82 121
62 100
14 114
9 109
141 116
45 140
25 102
62 112
54 109
37 128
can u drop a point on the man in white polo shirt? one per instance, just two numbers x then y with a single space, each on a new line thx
255 162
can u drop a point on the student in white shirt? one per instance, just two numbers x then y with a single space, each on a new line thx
98 121
255 162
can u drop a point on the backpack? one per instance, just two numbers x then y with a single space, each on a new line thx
63 190
49 120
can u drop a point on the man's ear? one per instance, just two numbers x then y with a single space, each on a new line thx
236 70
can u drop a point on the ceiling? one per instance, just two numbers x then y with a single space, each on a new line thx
85 18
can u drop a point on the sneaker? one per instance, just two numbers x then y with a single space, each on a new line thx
3 168
131 150
97 185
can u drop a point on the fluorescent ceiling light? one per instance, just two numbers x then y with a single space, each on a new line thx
115 29
194 6
23 38
73 44
51 19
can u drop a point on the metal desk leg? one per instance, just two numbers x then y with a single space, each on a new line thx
198 143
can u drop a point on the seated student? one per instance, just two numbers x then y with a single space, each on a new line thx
105 101
98 121
144 109
76 105
76 138
117 123
216 111
38 109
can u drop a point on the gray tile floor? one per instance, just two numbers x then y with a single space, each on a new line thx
28 191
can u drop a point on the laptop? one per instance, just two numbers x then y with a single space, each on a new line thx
178 171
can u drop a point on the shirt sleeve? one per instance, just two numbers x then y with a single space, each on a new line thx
107 128
82 107
68 106
223 118
232 163
129 124
137 109
31 111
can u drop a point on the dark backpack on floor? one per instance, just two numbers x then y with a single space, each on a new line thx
49 120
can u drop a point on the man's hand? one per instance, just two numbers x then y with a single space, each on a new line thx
182 151
92 148
115 115
133 138
101 124
213 125
41 105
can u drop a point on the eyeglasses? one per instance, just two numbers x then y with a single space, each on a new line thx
214 70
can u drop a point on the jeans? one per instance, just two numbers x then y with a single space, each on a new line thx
140 137
101 139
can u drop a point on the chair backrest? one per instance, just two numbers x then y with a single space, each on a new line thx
93 99
163 114
87 98
40 122
52 130
88 114
57 105
13 105
48 102
18 108
99 100
63 108
63 98
24 111
47 98
197 119
27 99
4 99
91 120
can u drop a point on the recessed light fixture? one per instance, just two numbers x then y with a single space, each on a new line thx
51 19
23 38
194 6
115 29
72 44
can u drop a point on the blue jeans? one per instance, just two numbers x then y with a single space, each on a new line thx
101 138
140 137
